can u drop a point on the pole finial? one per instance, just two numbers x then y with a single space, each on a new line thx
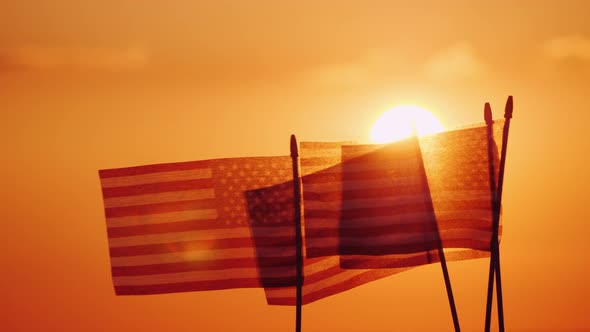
294 149
509 107
487 113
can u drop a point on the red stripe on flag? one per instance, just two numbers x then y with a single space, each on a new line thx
138 210
288 263
199 286
156 168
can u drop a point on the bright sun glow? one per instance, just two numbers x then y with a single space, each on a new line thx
399 122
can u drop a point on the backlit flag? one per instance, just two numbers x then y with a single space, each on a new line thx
323 275
381 203
185 226
390 200
458 170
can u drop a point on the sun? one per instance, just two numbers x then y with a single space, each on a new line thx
399 123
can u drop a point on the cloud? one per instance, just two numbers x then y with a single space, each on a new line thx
385 65
81 58
458 61
375 65
568 47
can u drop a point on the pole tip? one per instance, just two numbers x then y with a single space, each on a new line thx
509 108
294 149
487 113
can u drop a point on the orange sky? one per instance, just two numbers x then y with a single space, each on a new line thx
120 83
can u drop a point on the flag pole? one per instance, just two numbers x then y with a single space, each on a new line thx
497 203
507 116
441 253
489 124
443 263
298 233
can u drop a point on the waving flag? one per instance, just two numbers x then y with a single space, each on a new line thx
381 202
213 224
185 226
458 170
229 223
323 276
386 205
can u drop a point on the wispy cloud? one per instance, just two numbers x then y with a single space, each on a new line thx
373 66
568 47
80 58
457 61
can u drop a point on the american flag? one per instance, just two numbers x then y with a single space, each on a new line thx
323 275
458 170
367 200
185 226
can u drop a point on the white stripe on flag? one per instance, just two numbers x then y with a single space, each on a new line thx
207 234
163 197
131 180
